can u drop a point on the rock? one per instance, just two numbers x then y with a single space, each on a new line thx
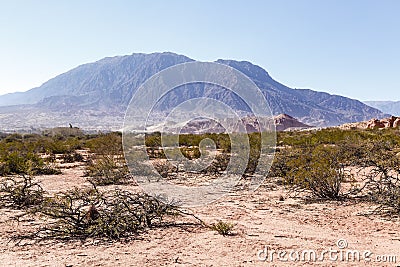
388 122
396 123
285 122
392 122
375 124
384 123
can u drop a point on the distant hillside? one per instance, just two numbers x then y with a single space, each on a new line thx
95 95
390 107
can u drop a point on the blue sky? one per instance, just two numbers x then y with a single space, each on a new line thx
345 47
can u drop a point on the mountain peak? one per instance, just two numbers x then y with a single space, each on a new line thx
97 91
249 69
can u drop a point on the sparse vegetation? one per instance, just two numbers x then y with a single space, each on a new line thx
72 157
24 163
107 170
164 168
107 164
20 192
84 213
321 164
319 171
223 228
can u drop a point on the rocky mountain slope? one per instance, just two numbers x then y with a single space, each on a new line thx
96 95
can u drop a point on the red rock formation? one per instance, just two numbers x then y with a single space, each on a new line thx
375 124
392 122
284 122
388 122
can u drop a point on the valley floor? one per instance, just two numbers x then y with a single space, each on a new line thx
261 219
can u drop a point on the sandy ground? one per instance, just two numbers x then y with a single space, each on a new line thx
263 222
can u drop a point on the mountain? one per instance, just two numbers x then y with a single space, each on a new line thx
285 122
95 96
390 107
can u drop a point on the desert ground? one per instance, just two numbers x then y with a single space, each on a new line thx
265 220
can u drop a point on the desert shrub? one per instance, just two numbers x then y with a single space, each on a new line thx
164 167
28 163
387 196
153 139
218 165
280 167
107 165
107 170
3 136
54 145
20 192
46 170
57 147
190 152
222 141
223 228
13 137
35 143
382 180
106 144
318 171
323 136
87 213
72 157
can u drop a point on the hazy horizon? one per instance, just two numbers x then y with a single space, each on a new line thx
347 48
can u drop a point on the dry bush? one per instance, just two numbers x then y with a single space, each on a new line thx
164 167
382 180
107 166
84 213
218 165
72 157
20 192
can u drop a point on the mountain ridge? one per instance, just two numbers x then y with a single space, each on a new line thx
107 85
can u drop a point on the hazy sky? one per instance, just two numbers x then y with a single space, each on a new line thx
346 47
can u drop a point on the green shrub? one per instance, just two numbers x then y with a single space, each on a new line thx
153 140
107 170
280 167
223 228
24 163
318 171
106 144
